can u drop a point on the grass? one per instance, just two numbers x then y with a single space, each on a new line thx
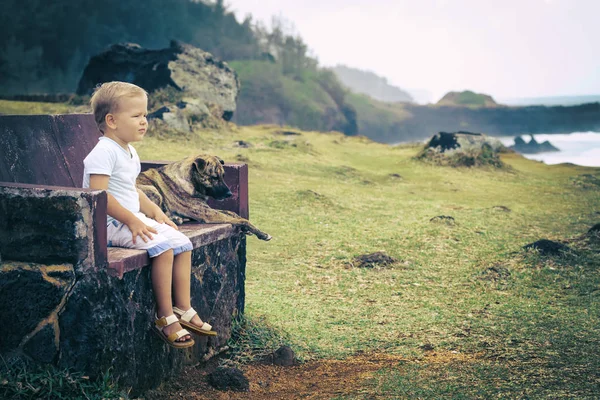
327 198
20 381
9 107
528 326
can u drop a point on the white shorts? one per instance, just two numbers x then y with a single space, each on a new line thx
167 238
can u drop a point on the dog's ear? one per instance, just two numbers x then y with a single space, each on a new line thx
221 161
200 163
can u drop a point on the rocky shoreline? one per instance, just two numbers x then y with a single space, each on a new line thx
493 121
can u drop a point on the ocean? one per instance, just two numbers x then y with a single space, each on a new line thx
581 148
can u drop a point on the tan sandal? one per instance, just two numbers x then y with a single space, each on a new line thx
171 340
185 318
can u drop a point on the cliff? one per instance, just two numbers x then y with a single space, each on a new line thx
404 122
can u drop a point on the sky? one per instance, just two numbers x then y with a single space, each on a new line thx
505 48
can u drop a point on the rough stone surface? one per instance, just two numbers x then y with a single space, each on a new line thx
51 226
463 149
31 237
107 321
225 378
28 297
186 68
69 310
593 230
284 356
42 346
454 140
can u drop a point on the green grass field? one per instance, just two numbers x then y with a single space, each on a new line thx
525 325
530 324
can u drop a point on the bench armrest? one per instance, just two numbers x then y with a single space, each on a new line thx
236 177
53 225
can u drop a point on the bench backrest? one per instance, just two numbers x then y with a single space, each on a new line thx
49 150
46 149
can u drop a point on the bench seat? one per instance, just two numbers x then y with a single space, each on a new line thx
121 260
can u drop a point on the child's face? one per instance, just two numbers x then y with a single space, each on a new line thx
130 122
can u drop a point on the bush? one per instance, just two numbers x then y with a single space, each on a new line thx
472 156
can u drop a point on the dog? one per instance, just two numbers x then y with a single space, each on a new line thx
182 188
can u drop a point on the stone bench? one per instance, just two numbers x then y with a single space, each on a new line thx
67 299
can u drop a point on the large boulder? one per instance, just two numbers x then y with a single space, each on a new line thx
195 73
463 149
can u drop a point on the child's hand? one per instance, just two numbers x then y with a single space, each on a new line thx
161 218
138 228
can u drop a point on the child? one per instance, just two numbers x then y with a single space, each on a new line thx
135 222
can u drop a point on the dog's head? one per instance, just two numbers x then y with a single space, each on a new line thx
208 177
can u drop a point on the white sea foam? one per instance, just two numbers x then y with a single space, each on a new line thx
581 148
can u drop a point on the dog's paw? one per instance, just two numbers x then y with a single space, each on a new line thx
178 220
265 236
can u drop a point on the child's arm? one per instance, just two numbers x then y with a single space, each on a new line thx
120 213
153 211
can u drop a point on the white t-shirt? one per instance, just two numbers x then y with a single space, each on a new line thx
108 158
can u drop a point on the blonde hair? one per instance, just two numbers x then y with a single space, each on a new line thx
105 99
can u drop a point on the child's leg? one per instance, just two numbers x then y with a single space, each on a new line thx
161 255
162 275
182 278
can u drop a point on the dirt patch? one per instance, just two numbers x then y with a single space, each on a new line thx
495 273
547 247
372 260
446 219
323 379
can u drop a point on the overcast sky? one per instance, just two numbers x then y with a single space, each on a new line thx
505 48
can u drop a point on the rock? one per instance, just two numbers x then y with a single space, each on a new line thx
532 147
225 378
243 144
284 356
182 115
547 247
52 239
197 74
594 230
452 140
30 296
377 259
42 346
463 149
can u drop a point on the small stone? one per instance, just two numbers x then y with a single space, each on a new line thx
284 356
229 378
243 144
